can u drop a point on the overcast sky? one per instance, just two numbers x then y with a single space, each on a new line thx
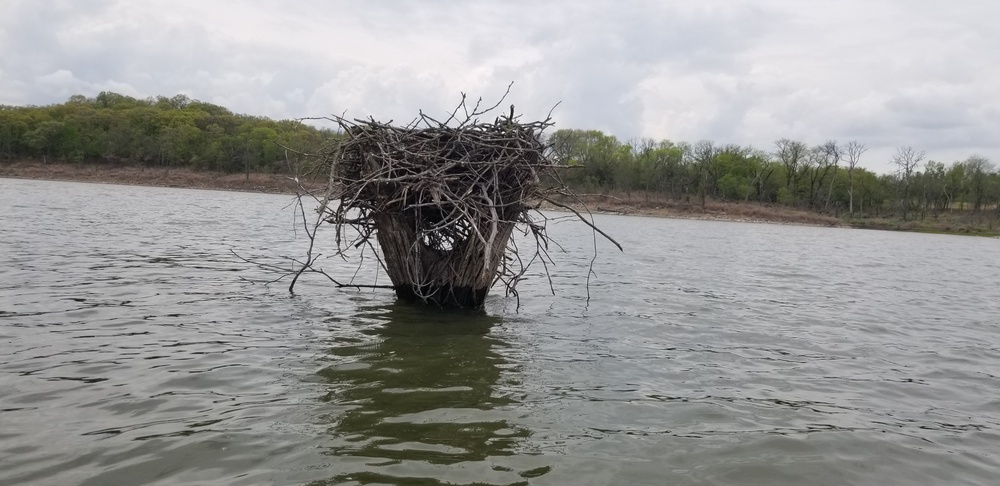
923 73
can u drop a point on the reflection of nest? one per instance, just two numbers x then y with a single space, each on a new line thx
442 201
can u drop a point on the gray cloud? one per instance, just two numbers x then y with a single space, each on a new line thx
882 72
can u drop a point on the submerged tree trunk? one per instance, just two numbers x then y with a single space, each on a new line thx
442 202
453 273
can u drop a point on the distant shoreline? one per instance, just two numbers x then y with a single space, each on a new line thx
150 177
281 184
630 205
712 211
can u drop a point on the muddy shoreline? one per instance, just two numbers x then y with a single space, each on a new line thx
282 184
638 205
149 176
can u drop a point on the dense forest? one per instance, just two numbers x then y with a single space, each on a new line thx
828 178
158 132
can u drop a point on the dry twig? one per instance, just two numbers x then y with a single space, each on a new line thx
441 201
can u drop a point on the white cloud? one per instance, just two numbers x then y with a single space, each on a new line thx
14 90
62 83
59 83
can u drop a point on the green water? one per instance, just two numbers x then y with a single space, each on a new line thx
135 349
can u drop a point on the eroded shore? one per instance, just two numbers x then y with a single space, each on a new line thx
150 176
621 204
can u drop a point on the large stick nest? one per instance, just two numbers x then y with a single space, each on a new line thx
442 200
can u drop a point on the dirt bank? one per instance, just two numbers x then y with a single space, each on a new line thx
962 222
145 176
713 210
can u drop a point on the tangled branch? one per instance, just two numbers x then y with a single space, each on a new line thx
440 201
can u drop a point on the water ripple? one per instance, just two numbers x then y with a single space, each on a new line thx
137 350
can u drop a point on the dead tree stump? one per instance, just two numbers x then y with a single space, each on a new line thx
439 202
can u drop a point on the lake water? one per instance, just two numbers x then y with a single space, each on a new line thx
136 349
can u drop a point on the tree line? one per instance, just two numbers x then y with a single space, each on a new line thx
826 178
157 132
181 132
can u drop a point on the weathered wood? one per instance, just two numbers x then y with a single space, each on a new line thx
441 200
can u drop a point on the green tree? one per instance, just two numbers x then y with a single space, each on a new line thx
13 127
703 158
954 185
977 173
46 139
934 186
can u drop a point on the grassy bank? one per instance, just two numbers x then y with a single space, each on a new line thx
955 222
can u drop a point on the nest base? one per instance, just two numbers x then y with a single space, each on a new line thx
442 201
443 295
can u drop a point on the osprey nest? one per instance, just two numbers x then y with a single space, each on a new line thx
442 200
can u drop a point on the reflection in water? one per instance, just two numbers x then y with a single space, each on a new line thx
422 389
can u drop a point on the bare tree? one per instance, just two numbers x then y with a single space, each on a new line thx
906 161
853 150
644 168
791 154
832 152
760 171
813 166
